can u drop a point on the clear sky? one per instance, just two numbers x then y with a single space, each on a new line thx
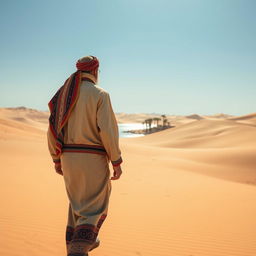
164 56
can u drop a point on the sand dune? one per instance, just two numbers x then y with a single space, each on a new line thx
247 119
185 191
23 113
219 116
18 129
219 148
22 122
195 116
204 134
32 117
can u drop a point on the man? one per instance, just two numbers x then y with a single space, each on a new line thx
83 140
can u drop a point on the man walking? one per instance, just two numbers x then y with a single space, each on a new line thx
82 140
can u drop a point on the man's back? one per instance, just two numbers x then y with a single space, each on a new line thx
93 123
82 127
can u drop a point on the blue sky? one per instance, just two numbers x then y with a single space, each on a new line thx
165 56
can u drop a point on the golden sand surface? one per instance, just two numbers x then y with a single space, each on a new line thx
185 191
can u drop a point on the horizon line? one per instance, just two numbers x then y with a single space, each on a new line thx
138 113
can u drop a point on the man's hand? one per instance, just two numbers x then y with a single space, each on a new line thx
58 168
117 172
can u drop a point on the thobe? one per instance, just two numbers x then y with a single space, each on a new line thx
91 141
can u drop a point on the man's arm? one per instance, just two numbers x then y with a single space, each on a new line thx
51 147
107 124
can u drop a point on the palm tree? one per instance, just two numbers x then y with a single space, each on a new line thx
164 118
147 123
150 120
157 119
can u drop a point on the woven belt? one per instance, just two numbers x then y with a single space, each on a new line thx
84 148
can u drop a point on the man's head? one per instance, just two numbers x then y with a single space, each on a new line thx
89 64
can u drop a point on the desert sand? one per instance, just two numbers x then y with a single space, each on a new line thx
185 191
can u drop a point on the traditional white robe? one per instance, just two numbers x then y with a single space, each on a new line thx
90 141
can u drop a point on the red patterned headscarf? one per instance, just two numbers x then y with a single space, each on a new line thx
63 102
88 65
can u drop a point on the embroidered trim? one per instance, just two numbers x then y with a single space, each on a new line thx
84 148
85 233
117 162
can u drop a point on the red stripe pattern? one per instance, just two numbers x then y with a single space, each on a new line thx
84 148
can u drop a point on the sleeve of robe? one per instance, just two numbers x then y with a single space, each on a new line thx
51 146
108 128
